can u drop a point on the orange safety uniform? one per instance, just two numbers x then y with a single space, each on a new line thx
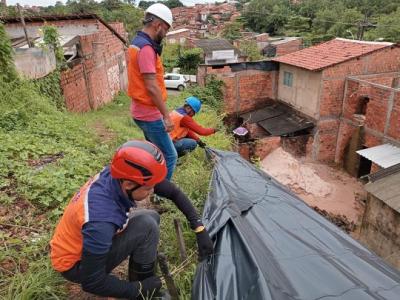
179 131
136 86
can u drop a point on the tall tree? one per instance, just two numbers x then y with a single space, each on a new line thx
387 28
231 31
267 15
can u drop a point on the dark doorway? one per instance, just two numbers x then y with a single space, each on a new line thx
362 104
364 167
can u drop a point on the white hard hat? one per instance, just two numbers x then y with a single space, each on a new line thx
161 11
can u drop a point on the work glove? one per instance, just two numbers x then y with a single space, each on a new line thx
201 144
204 244
149 286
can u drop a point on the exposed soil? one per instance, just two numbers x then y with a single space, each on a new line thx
337 195
103 132
20 224
339 220
44 160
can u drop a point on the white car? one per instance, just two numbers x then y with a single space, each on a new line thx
175 81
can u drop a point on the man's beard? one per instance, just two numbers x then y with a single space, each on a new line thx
159 37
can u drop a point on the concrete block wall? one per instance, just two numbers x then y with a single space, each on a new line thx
380 230
34 63
331 104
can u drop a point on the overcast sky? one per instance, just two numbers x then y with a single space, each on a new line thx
52 2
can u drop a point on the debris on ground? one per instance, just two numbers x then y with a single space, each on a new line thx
339 220
47 159
318 184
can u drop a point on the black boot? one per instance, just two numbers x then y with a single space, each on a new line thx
139 272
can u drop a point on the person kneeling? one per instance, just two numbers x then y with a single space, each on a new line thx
184 135
100 227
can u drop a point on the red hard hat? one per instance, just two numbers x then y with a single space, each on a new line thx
140 162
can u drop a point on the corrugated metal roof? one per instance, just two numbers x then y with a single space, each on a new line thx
385 155
278 119
210 45
47 18
387 189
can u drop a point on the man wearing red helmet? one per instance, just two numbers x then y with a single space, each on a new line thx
100 228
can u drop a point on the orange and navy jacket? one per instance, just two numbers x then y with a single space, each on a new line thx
99 200
136 86
186 126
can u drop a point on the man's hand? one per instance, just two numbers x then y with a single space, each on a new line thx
204 244
149 287
201 144
169 125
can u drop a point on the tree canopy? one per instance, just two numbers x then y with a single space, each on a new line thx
318 20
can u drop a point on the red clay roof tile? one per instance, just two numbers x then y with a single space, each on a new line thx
330 53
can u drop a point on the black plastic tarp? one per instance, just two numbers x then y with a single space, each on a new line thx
270 245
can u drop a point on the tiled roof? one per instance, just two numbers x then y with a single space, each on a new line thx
330 53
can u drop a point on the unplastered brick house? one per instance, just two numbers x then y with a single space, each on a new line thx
334 85
95 51
313 81
179 36
370 117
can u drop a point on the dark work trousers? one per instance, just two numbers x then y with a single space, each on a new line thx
139 240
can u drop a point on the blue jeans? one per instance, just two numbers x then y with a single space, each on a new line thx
154 132
184 146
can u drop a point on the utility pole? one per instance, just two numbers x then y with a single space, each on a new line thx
30 44
361 27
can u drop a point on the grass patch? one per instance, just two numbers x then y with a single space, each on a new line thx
47 154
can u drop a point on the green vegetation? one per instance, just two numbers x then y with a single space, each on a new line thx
170 56
188 59
8 72
319 20
231 31
250 49
169 3
47 154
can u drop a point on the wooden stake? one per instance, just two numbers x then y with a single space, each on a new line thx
30 44
181 241
173 291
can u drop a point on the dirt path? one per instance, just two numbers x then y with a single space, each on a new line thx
318 184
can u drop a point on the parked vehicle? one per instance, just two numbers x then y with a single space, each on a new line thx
175 81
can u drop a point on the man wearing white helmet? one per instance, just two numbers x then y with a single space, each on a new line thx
146 82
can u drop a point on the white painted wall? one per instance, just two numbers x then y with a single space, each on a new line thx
305 91
34 63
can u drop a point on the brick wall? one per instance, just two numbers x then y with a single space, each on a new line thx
289 47
76 94
381 123
331 98
101 73
243 90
